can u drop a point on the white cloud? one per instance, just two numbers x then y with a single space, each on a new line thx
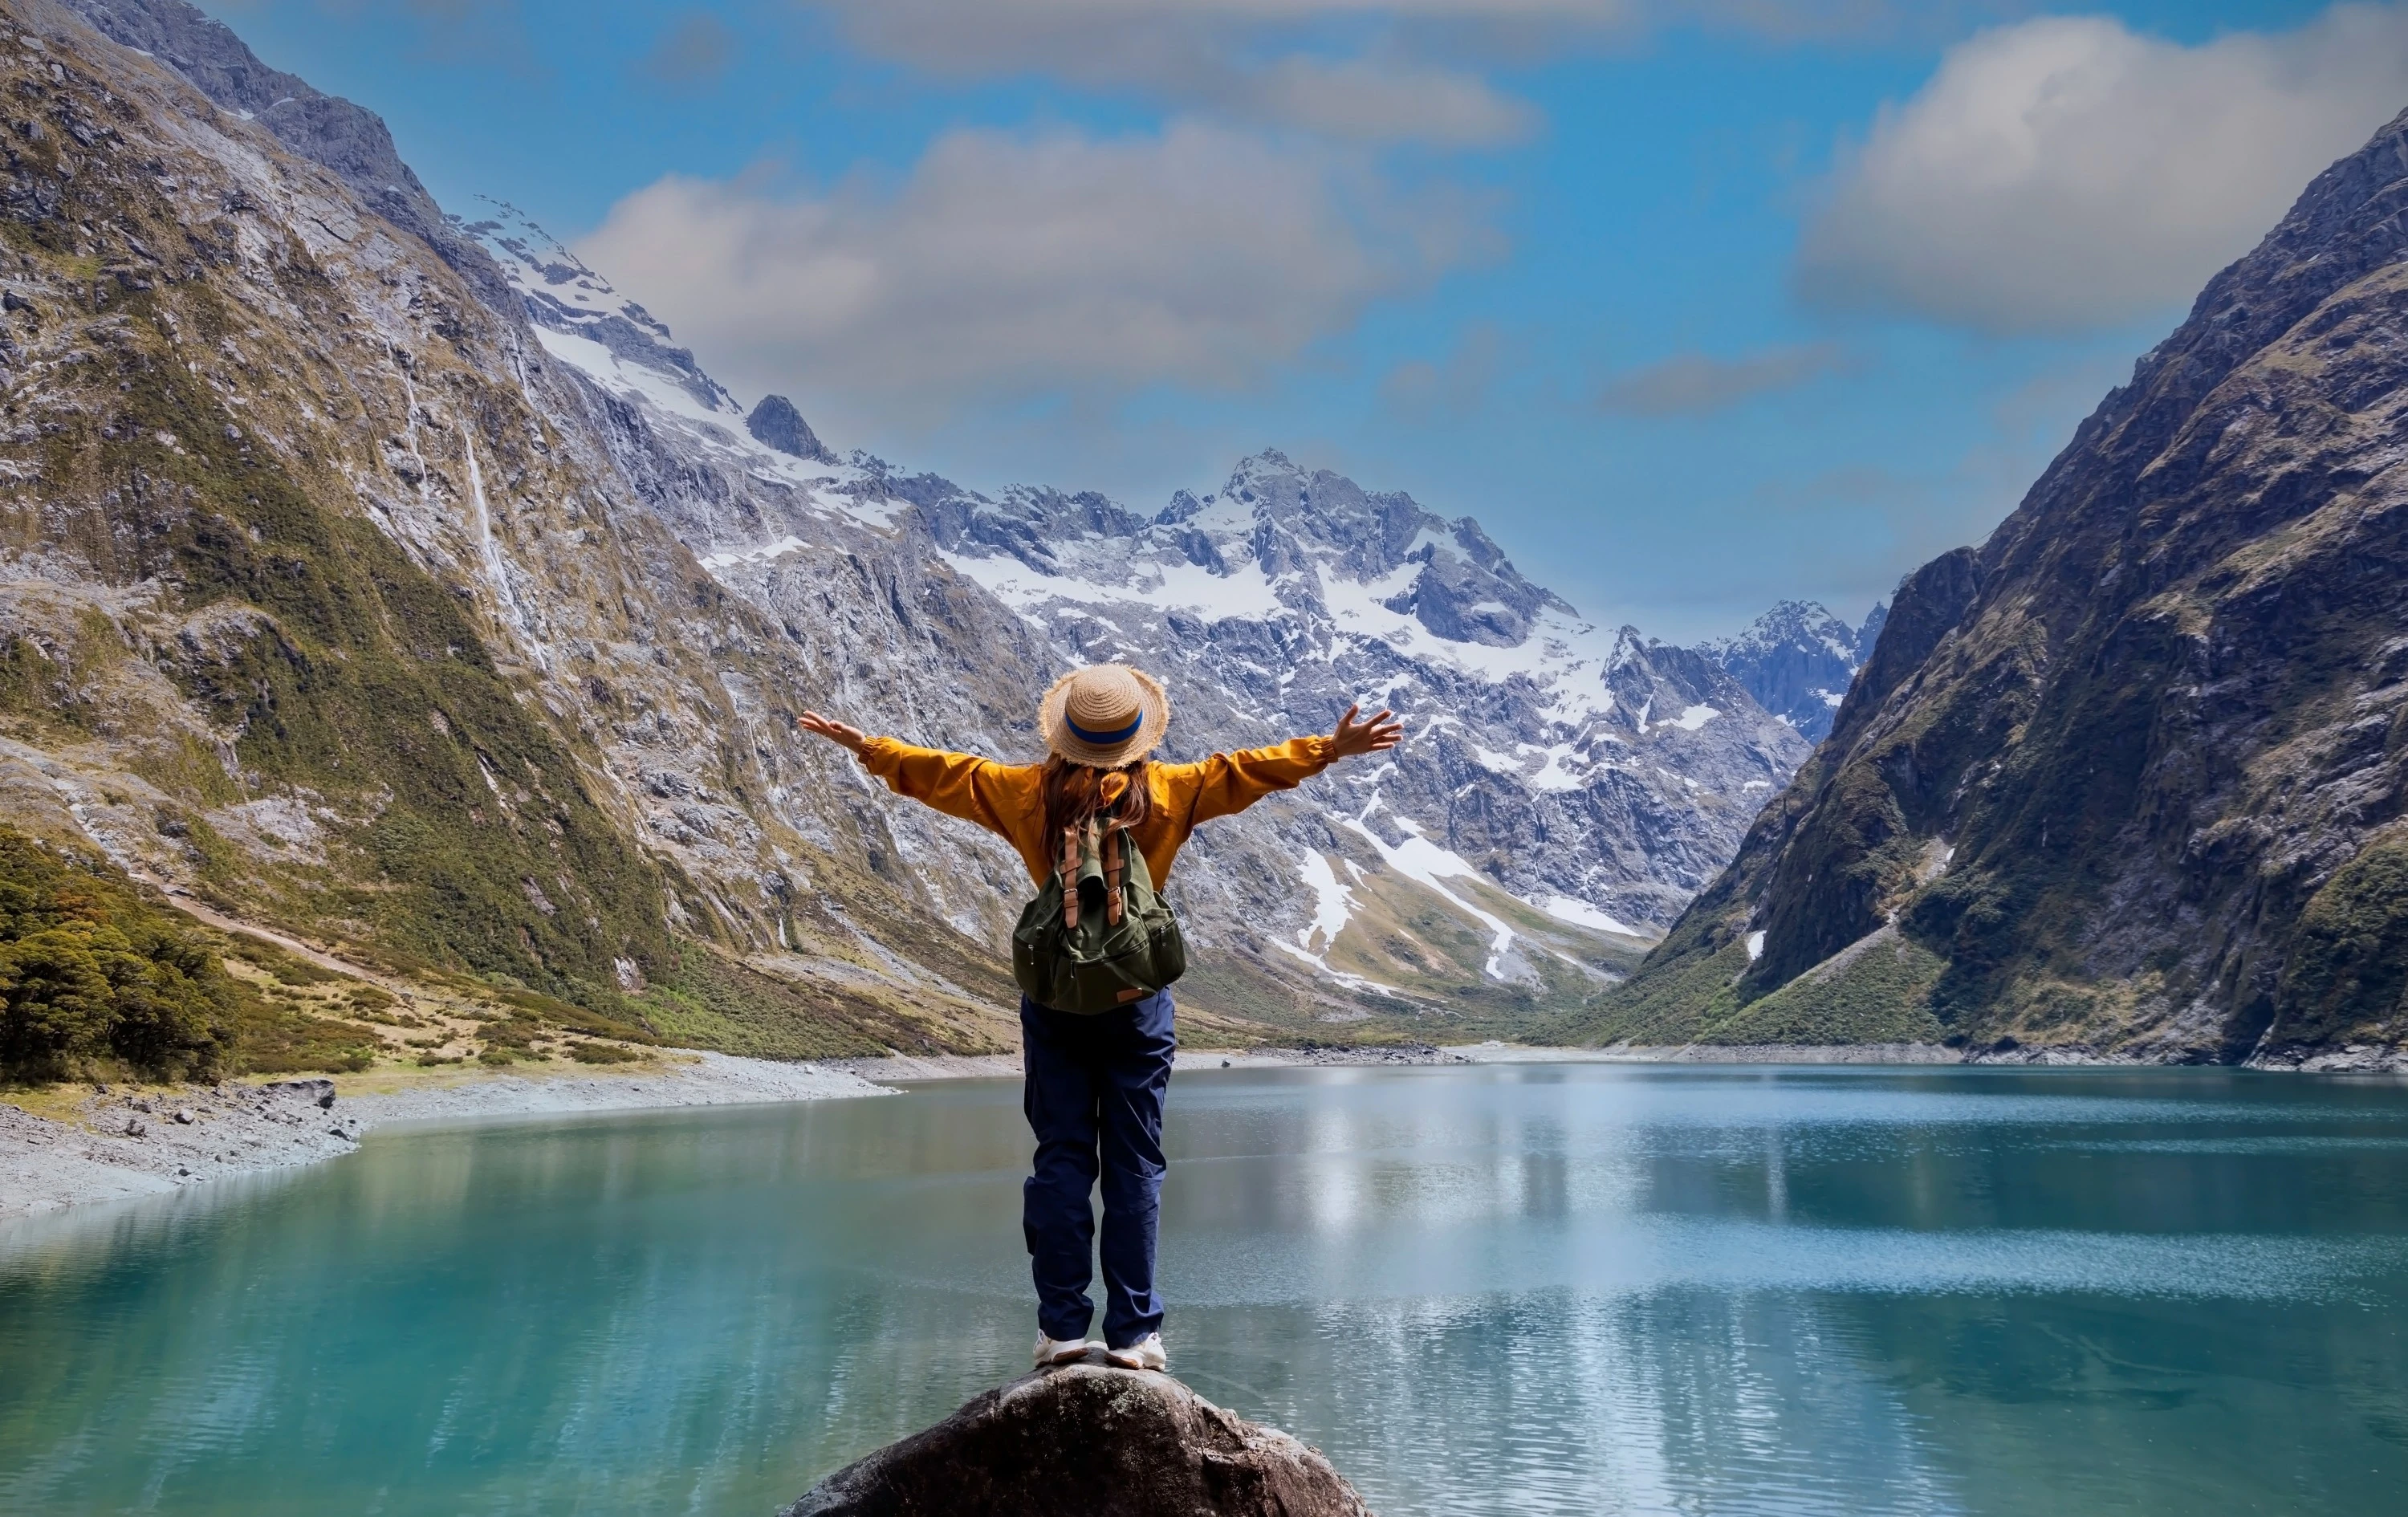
1019 266
1375 99
1697 384
1373 70
2067 172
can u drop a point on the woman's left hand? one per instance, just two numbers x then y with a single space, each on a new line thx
1373 734
833 731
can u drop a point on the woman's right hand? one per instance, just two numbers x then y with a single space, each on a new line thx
833 731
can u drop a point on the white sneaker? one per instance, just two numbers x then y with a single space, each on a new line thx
1059 1351
1145 1354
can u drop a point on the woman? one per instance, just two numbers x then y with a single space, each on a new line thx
1095 1082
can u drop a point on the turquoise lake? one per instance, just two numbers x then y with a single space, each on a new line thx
1501 1289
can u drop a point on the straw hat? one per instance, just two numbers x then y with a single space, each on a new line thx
1106 715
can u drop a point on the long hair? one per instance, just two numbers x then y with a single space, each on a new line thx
1075 792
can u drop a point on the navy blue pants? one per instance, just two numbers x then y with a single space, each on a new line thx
1094 1099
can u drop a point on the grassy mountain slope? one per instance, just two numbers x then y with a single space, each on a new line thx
290 555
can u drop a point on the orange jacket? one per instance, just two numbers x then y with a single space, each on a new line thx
1009 800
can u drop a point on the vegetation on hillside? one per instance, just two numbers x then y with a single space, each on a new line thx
97 979
323 660
717 1003
2347 978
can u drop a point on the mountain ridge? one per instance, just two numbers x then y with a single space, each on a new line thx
2127 781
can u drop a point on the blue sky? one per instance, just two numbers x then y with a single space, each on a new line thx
1696 304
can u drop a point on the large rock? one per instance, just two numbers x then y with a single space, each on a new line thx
1088 1438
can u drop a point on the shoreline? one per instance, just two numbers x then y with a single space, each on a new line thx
78 1146
72 1147
912 1070
918 1069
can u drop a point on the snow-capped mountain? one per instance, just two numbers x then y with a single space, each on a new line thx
1593 777
1797 660
1587 771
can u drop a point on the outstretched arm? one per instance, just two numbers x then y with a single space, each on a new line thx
1227 783
994 796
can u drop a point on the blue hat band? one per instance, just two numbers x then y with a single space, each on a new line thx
1103 740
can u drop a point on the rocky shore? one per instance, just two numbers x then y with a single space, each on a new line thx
912 1070
103 1144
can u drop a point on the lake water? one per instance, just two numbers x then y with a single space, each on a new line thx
1492 1290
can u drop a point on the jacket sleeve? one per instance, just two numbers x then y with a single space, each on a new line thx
993 796
1227 783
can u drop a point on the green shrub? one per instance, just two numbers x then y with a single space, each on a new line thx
1878 993
276 1041
2347 972
602 1053
93 976
718 1003
278 962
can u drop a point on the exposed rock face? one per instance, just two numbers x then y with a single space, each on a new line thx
2134 769
325 129
1088 1439
775 423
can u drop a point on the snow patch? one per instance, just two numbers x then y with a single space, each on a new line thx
1333 904
1161 586
1426 864
1581 914
727 558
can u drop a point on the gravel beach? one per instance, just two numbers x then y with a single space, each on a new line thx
124 1141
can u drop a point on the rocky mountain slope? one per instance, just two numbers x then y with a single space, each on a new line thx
2127 779
389 579
328 601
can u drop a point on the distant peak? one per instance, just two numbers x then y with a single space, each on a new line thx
776 423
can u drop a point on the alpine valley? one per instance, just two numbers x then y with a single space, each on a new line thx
385 597
384 583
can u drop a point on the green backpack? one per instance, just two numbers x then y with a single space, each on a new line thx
1104 941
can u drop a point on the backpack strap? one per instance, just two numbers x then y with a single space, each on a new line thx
1113 905
1070 877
